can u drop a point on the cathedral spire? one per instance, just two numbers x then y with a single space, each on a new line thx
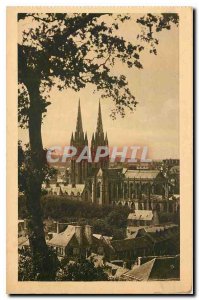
79 127
86 139
106 139
99 120
71 140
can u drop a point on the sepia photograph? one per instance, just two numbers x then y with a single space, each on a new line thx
98 165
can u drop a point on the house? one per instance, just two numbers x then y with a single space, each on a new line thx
165 238
23 242
77 191
146 241
140 218
113 270
157 268
129 249
79 241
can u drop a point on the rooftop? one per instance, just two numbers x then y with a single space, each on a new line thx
142 174
63 238
128 244
145 215
159 268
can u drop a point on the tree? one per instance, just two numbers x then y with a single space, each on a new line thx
27 270
71 51
83 270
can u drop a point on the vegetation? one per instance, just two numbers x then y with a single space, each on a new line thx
167 217
81 270
27 270
77 270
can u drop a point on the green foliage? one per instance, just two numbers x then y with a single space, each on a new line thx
25 267
83 270
152 24
167 217
25 168
73 50
118 216
27 270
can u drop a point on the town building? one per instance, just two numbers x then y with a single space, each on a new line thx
154 268
141 218
79 241
146 241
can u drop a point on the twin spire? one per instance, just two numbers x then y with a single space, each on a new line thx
99 120
97 138
79 127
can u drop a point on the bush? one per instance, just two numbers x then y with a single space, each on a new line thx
28 270
82 270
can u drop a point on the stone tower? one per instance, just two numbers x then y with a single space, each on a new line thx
99 139
79 170
99 182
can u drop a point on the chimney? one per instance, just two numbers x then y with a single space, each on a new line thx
57 227
25 223
89 234
79 234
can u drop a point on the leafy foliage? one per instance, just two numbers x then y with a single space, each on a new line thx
82 270
27 270
166 217
25 168
152 24
73 50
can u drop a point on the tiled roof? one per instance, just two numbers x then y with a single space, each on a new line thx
119 270
22 241
142 174
174 197
69 189
159 268
63 238
54 189
152 228
175 170
158 228
113 172
142 272
156 198
145 215
130 244
97 236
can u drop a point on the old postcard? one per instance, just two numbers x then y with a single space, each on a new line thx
99 150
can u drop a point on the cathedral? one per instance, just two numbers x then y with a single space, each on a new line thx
81 171
105 185
85 172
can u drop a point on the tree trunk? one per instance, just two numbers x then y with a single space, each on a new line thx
42 260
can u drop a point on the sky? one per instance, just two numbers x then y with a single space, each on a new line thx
154 124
